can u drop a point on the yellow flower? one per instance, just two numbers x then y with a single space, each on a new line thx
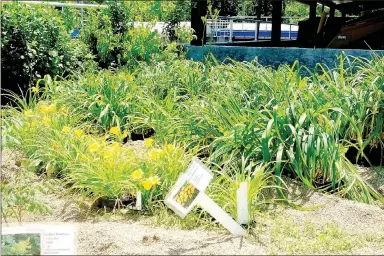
28 113
55 145
78 133
108 154
148 142
115 147
136 175
51 108
110 164
46 121
154 154
43 109
115 130
154 180
170 147
130 78
94 147
66 129
34 89
147 184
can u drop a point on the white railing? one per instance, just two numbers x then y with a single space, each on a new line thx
222 29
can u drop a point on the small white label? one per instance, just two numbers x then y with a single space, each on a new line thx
41 239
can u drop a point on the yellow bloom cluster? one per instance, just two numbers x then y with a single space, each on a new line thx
154 154
78 133
185 196
147 183
112 150
94 147
116 131
136 175
170 148
46 121
48 109
150 182
148 142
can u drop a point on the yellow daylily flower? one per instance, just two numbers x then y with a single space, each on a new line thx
34 89
94 147
154 180
110 164
46 121
170 148
43 109
78 133
108 154
154 154
55 145
66 129
51 108
136 175
147 184
148 142
115 130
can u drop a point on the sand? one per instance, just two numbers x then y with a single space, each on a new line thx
122 234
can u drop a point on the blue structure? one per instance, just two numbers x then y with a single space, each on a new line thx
275 56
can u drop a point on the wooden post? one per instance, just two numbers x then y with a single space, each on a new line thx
277 7
198 10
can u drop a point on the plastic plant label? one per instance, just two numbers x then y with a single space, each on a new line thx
183 196
39 239
189 191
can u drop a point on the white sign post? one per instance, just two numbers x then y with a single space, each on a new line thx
242 204
189 191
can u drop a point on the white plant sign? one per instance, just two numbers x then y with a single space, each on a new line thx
189 191
47 239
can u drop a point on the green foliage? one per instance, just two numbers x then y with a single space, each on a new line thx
114 40
20 197
34 43
20 244
296 126
177 15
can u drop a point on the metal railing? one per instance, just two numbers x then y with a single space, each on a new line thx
222 29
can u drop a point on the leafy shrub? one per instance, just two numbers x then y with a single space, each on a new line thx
34 42
111 35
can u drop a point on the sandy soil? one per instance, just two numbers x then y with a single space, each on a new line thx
124 234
